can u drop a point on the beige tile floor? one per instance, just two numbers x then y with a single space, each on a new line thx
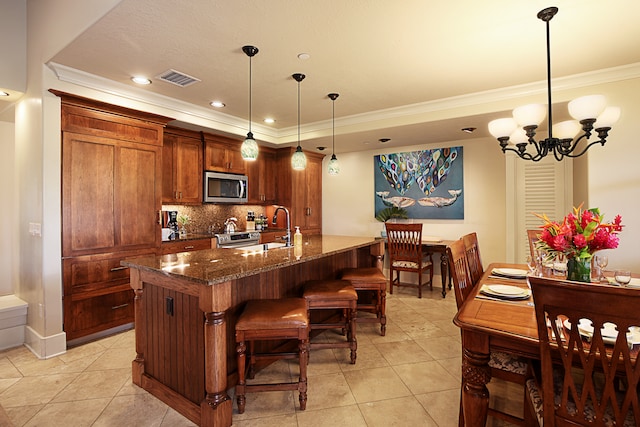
411 376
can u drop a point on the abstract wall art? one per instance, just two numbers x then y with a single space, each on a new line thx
427 183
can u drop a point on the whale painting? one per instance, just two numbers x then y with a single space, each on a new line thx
426 183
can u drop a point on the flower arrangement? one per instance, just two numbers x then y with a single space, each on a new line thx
580 235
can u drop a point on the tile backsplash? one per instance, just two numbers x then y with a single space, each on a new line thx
214 215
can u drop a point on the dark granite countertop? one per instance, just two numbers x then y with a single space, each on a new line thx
211 266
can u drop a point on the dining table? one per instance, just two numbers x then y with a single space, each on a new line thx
437 245
491 324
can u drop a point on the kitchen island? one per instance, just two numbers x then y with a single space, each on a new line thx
187 304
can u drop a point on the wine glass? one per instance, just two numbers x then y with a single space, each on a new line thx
623 277
532 264
602 261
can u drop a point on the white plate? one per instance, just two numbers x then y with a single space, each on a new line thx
522 294
506 289
609 332
510 272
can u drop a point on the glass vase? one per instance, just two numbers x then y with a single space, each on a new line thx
579 269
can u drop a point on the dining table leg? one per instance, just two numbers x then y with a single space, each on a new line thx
476 374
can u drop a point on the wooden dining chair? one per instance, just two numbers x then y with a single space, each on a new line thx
405 254
504 366
533 236
473 256
583 363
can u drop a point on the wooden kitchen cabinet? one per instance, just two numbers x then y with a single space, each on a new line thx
222 154
182 168
186 246
300 191
111 196
261 181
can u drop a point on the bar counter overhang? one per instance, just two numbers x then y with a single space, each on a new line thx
186 306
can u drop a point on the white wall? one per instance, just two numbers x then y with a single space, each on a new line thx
7 243
348 198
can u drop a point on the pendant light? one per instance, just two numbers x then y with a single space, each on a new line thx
334 166
298 160
249 148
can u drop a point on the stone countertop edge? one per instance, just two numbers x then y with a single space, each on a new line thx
211 266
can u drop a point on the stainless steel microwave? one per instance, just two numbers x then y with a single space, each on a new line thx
224 188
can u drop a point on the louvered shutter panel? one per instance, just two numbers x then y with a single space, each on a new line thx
544 187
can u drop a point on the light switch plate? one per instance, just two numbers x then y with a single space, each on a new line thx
35 229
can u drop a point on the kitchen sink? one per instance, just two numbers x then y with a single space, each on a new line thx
261 247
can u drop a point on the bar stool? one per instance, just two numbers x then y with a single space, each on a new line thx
333 295
272 319
371 280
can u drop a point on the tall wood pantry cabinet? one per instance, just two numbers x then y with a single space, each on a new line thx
111 196
301 191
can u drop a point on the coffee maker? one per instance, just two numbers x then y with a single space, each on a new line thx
169 225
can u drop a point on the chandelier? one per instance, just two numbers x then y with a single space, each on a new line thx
590 112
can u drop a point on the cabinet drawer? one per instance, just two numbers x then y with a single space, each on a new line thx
96 275
185 246
89 315
270 236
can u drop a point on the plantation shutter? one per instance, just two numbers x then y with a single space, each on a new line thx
544 187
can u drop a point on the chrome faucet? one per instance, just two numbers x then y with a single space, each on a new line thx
287 237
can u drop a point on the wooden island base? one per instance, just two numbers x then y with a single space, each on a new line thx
185 316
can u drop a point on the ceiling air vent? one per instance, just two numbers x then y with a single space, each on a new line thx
178 78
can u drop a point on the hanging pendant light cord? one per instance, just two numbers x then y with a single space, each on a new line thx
333 127
298 114
550 125
250 94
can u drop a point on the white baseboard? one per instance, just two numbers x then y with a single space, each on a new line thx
45 347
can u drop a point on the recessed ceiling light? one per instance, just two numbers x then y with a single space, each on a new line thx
384 140
321 148
141 80
468 130
3 93
269 120
217 104
304 56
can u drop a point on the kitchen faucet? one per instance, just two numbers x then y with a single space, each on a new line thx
287 237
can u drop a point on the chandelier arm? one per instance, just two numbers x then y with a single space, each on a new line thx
602 141
523 155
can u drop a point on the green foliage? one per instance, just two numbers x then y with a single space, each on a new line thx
386 214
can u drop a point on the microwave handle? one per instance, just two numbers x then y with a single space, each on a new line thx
243 188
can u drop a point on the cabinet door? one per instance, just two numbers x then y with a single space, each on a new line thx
268 178
88 204
111 193
223 156
313 196
188 171
169 192
262 179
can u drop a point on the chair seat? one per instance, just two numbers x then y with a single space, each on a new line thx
535 396
508 362
327 290
285 313
369 275
410 264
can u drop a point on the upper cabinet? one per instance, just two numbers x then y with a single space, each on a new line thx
182 168
222 154
261 178
111 178
301 191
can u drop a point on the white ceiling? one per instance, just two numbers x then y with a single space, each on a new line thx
387 60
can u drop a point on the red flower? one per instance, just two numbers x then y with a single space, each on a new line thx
580 234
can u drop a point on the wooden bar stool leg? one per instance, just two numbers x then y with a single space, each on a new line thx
241 386
352 314
303 351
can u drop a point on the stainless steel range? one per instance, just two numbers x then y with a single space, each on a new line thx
237 239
